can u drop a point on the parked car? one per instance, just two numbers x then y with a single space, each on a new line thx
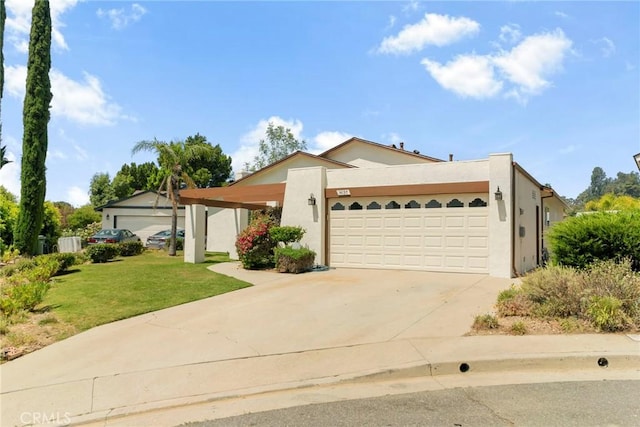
158 240
113 235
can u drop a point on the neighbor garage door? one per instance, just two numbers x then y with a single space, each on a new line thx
434 233
144 226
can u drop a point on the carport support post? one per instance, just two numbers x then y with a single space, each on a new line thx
194 234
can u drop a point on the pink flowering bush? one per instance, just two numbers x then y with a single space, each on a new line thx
254 244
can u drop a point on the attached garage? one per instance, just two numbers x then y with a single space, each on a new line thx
146 225
444 232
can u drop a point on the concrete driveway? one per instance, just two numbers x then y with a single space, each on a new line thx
282 314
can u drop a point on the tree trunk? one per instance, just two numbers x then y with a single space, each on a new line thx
174 221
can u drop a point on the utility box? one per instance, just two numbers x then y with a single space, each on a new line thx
69 244
41 240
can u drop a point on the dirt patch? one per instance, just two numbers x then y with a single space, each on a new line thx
524 325
31 333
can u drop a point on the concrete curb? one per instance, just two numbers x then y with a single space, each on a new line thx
534 363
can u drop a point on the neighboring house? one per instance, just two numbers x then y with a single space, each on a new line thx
145 213
367 205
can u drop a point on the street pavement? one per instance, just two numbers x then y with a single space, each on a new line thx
288 332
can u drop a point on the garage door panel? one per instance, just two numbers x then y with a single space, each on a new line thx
436 238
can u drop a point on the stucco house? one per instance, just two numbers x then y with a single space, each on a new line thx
368 205
144 213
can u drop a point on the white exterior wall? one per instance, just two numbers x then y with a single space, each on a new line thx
527 198
363 155
193 242
301 184
279 173
500 215
427 173
223 226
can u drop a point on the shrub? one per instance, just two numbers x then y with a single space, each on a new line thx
556 290
294 260
22 297
581 240
254 244
66 260
179 244
485 321
606 314
513 302
102 252
518 328
616 279
286 234
130 248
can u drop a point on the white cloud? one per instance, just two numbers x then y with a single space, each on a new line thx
392 138
83 102
433 29
529 63
467 75
121 18
10 174
411 6
56 154
18 22
250 141
327 140
392 22
77 196
510 33
561 14
607 47
568 149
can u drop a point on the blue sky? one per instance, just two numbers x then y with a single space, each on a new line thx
555 83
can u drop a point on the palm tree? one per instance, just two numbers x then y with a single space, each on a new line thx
3 159
173 158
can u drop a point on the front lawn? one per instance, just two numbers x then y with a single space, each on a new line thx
89 295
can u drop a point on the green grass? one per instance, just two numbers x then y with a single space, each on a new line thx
94 294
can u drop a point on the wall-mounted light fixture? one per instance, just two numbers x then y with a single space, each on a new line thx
107 217
498 194
637 159
311 201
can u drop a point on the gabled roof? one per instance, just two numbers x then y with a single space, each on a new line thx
288 158
112 203
354 139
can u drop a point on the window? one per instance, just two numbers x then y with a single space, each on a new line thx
433 203
477 203
374 205
337 207
412 205
392 205
455 203
355 206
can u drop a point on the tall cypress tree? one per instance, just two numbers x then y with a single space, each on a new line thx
34 141
3 18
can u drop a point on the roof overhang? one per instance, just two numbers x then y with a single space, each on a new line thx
250 197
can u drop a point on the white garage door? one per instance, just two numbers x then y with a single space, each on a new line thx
144 226
434 233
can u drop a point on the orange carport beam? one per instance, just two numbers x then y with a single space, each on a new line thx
251 196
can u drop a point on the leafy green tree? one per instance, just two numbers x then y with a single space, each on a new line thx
626 184
8 215
279 143
35 139
132 177
100 190
122 186
210 171
82 217
51 225
65 210
174 158
612 202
